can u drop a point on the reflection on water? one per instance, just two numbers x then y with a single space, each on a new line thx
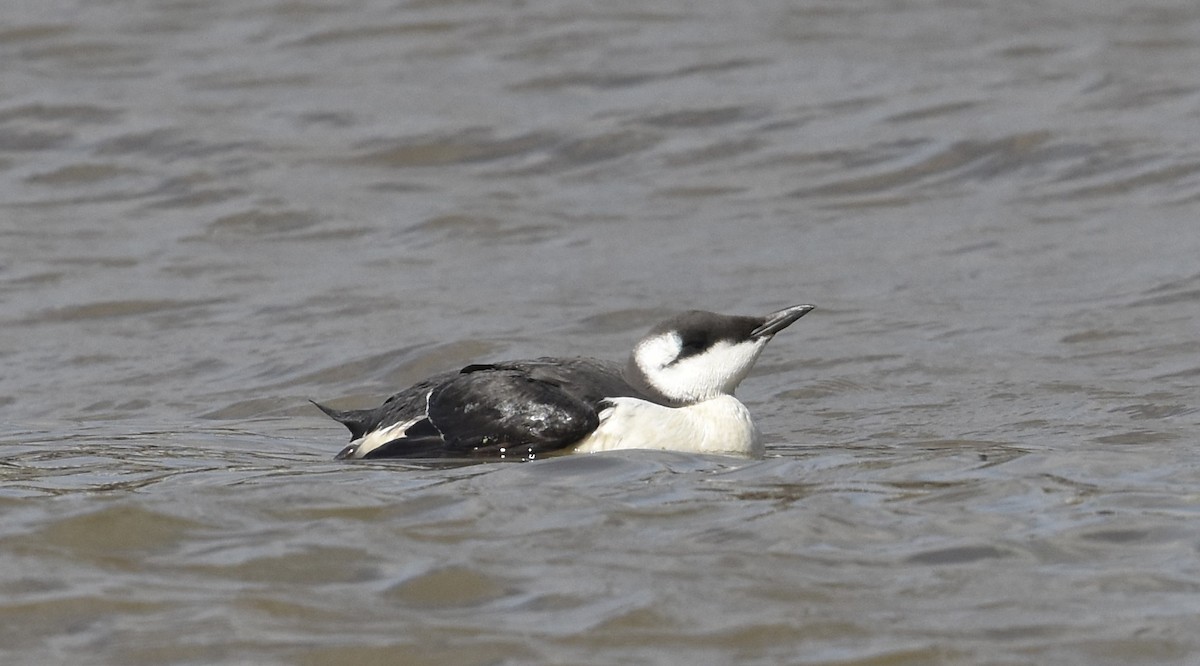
980 446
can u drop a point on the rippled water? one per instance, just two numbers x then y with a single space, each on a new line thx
982 446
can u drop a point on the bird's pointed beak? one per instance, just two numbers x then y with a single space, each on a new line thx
780 319
347 452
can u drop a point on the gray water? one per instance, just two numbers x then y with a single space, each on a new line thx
981 446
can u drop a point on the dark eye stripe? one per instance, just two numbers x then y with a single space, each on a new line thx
691 346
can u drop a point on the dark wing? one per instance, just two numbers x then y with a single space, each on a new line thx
515 409
495 412
586 379
522 408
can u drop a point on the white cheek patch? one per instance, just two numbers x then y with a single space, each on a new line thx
658 352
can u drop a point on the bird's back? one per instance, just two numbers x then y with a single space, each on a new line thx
490 409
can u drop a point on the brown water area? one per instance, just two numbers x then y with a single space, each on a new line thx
982 447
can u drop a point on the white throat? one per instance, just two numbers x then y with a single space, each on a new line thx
703 376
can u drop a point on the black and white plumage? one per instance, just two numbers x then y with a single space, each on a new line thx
675 392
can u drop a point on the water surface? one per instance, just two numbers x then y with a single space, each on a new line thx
981 446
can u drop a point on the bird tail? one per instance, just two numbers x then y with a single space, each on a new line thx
356 420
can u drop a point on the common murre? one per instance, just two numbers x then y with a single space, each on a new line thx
674 393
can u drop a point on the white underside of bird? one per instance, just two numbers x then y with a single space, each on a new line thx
720 425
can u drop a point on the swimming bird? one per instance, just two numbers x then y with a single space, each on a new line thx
675 392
